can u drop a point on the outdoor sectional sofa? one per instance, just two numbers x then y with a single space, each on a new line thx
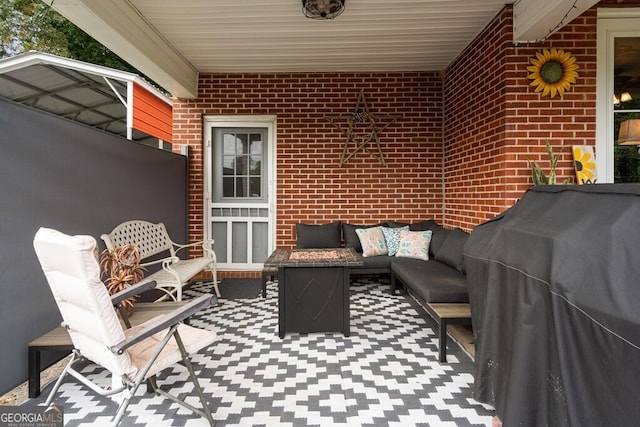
440 279
437 280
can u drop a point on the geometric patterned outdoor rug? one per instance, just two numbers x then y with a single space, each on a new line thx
385 373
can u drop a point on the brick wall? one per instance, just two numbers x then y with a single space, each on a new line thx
495 121
478 122
474 128
311 185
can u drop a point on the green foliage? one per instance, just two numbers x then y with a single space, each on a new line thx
539 176
27 25
626 163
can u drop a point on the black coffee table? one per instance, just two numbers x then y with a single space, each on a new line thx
313 289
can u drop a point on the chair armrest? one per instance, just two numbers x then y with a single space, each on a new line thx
202 243
163 261
167 321
136 289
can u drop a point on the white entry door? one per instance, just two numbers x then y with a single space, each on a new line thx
240 194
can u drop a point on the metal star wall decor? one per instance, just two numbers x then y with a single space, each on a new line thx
361 114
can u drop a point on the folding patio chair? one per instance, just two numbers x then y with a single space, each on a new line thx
131 355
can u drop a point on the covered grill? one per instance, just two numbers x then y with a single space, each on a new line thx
554 287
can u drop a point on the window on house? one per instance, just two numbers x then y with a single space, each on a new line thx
626 106
618 92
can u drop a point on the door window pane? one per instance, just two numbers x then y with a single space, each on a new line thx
256 165
228 189
241 187
229 166
241 165
254 186
256 143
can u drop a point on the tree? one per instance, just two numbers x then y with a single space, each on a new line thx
33 25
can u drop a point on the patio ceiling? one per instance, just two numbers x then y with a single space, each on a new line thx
171 42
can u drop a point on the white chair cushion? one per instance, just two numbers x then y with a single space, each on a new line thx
194 339
71 267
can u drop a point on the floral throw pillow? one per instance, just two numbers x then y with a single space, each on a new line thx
392 238
372 241
414 244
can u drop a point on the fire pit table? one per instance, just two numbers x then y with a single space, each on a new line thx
313 289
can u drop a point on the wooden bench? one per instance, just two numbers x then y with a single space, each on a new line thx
58 339
448 314
153 241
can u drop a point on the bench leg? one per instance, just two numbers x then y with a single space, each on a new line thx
34 372
442 332
215 282
215 287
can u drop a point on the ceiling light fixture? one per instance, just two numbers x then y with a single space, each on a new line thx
322 9
624 97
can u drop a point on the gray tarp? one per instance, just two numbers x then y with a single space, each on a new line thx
58 173
554 287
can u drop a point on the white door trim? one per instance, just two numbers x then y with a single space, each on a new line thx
249 121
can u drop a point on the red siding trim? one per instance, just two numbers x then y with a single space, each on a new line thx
151 115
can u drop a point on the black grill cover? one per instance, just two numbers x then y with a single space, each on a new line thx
554 288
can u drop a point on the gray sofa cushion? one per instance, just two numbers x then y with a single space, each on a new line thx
451 250
375 262
432 280
310 236
438 234
416 226
351 239
422 226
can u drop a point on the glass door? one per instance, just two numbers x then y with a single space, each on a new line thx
239 203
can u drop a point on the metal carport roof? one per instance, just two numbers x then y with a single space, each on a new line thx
98 96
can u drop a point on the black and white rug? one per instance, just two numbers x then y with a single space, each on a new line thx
385 373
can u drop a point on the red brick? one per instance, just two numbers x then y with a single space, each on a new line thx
479 125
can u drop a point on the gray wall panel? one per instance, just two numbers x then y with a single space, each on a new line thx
79 180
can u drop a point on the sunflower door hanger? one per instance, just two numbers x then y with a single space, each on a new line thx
585 164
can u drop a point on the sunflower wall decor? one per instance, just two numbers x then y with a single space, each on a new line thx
553 71
585 164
